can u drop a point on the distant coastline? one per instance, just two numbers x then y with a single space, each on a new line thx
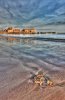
17 31
12 30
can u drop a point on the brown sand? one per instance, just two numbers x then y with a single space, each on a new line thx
14 84
15 70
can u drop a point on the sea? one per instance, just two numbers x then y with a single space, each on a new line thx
20 55
35 49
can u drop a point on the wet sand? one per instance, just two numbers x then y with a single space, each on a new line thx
21 60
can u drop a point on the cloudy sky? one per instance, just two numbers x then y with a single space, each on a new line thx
32 13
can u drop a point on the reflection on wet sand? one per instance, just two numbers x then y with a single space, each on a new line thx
22 58
13 39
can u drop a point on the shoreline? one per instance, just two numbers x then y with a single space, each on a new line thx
21 61
42 37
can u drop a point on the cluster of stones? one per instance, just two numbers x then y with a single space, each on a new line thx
41 79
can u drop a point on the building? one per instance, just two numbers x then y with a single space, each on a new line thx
11 30
1 31
16 31
29 31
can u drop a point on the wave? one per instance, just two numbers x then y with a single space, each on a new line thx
42 37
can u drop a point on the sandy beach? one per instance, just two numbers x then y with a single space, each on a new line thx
19 61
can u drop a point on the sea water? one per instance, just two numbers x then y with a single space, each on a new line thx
27 55
35 49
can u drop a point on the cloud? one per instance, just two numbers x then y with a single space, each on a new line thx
32 12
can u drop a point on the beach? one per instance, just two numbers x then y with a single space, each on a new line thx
21 59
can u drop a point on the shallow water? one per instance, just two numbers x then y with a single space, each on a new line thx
31 50
27 56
